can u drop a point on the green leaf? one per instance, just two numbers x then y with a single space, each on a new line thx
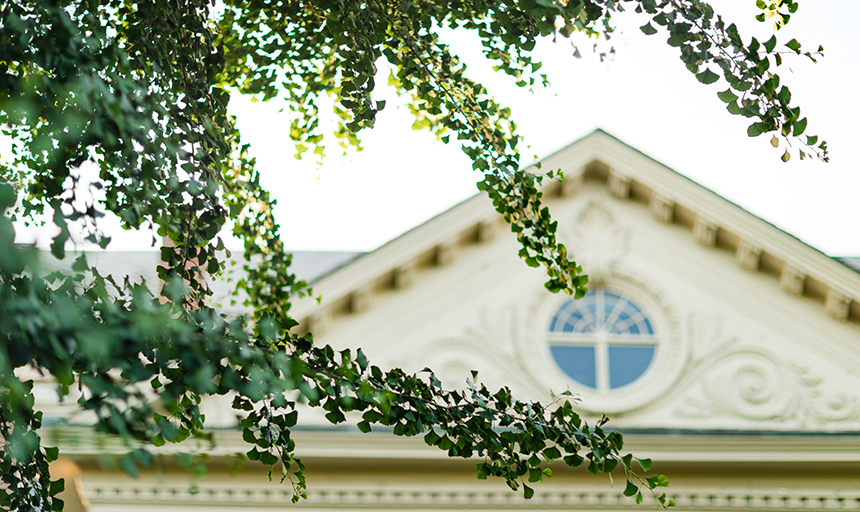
799 127
573 460
528 492
733 108
58 244
786 156
645 464
631 488
51 453
7 197
552 453
770 44
431 438
57 486
753 130
129 466
647 29
361 359
793 45
268 458
708 77
727 96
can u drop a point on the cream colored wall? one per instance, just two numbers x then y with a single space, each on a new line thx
749 384
348 471
737 352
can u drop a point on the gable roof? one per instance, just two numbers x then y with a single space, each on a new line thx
712 220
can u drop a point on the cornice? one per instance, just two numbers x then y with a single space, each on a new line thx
351 445
631 175
430 243
475 496
432 480
728 216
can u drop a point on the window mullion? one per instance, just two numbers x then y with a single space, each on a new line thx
601 354
596 322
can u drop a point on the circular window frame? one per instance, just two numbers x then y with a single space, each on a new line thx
603 335
664 370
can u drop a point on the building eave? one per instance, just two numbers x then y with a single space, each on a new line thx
713 220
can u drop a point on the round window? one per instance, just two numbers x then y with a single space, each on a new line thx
603 341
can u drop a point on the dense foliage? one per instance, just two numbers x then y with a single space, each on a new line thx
138 91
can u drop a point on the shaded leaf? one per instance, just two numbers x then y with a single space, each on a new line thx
707 76
648 29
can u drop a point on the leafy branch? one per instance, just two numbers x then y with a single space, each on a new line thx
138 93
703 37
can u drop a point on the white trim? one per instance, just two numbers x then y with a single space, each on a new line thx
475 496
713 213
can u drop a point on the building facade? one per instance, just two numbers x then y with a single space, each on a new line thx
723 348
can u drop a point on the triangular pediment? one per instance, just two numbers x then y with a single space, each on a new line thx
752 329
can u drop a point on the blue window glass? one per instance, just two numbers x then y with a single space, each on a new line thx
577 362
603 341
627 363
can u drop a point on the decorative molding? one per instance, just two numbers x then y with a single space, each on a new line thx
404 275
755 384
619 185
491 346
662 375
705 231
792 280
837 305
626 164
748 255
486 231
445 253
473 497
662 206
361 299
571 184
599 240
320 321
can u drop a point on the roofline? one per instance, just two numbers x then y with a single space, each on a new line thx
630 174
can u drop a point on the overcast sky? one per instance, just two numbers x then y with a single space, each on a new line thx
644 96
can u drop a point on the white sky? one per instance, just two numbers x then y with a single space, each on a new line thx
645 97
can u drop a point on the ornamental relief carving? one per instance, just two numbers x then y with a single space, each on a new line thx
659 379
740 380
597 241
715 373
492 347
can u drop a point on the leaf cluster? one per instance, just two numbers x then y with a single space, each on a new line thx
142 367
137 93
710 48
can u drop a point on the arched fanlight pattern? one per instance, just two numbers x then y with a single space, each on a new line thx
603 341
